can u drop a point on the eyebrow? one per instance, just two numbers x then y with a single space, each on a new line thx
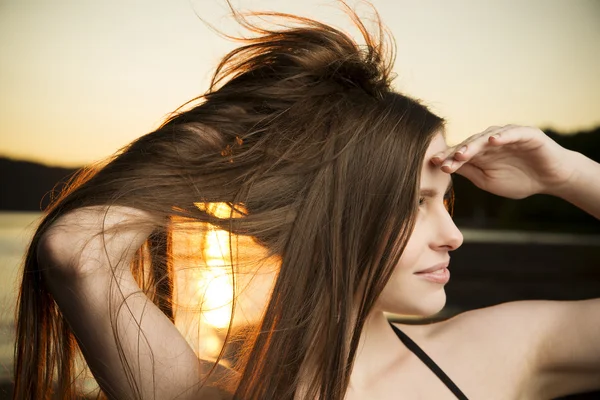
429 192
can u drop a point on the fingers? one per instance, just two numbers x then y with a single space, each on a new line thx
455 157
459 152
511 134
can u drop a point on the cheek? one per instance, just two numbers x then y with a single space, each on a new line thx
407 294
409 261
415 247
401 290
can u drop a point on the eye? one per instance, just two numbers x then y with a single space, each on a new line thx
449 201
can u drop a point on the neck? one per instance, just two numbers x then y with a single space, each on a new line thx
378 350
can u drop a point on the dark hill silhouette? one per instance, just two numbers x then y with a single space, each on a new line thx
26 186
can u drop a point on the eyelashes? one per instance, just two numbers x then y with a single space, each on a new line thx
448 200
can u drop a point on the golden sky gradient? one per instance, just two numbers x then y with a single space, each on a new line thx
81 78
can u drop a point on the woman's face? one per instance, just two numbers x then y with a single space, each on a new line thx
435 235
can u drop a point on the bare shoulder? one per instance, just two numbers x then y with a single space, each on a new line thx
507 331
484 351
499 319
553 345
486 325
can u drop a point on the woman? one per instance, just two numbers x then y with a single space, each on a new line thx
347 183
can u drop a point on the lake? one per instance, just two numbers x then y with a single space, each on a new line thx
16 229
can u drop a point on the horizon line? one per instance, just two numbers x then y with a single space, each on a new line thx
53 163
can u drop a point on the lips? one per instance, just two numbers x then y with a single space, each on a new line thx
436 267
437 274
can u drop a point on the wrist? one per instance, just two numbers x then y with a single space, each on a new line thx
569 188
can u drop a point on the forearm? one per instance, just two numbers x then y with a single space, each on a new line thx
583 189
132 348
130 345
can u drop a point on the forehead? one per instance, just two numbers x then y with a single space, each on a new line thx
432 175
438 143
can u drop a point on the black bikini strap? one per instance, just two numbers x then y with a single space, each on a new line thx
412 346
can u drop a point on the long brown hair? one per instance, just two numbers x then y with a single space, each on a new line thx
300 132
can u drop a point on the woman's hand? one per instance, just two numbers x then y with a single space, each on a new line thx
511 161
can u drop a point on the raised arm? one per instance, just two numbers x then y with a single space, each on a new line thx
583 189
130 345
519 161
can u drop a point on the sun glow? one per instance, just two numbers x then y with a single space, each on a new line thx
215 285
206 260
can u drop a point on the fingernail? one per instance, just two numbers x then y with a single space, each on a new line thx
462 150
447 163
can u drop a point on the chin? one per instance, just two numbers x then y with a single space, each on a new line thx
418 306
434 304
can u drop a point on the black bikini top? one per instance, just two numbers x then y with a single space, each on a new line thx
412 346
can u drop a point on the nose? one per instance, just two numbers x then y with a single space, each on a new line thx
449 236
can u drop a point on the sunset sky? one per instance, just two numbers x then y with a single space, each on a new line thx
81 78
